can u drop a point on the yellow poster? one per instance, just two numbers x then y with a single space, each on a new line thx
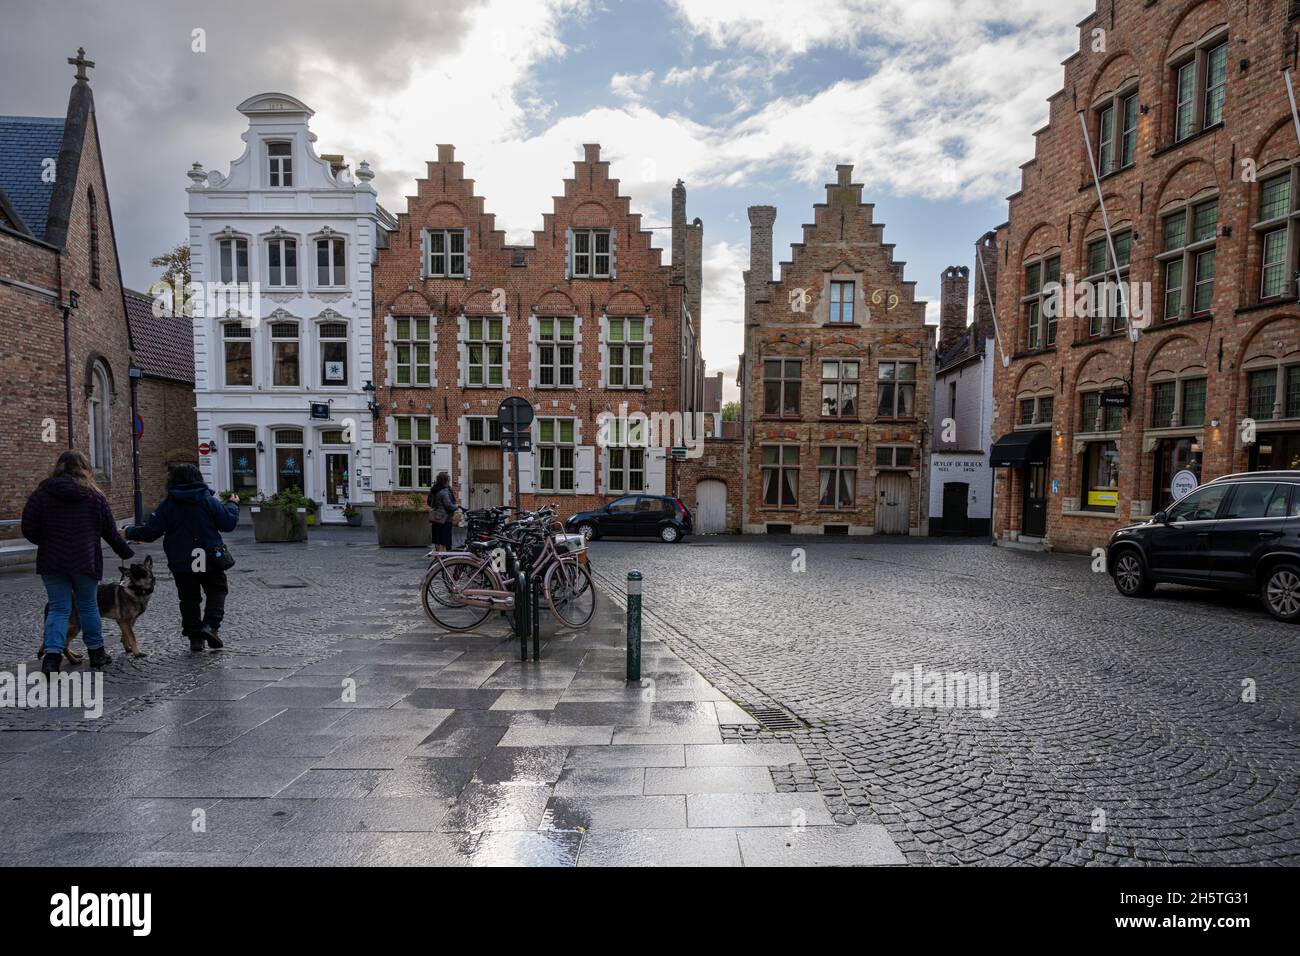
1103 499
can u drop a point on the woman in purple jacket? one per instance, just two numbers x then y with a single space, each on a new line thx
65 518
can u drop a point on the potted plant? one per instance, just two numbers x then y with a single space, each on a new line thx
404 523
313 507
352 514
281 517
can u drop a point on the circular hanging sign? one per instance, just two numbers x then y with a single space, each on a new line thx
1183 484
515 411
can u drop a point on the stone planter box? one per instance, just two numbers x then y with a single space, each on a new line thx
400 528
278 525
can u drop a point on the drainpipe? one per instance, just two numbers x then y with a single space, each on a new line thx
134 375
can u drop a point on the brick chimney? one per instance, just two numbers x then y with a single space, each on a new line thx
953 298
679 233
759 272
986 259
695 270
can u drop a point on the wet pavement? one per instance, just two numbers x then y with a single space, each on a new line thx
340 727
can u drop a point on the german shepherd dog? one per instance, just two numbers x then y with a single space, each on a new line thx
123 602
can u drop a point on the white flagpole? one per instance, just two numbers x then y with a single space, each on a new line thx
1105 221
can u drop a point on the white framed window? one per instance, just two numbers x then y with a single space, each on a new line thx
232 260
333 338
98 421
837 476
839 388
485 350
279 163
780 476
241 452
237 354
555 454
286 366
842 302
282 262
412 351
591 254
625 352
555 351
331 262
288 459
483 430
1187 259
413 450
446 253
896 390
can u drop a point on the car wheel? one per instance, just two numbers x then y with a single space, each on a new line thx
670 534
1131 578
1281 593
587 530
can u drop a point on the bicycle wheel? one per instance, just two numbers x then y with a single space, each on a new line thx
570 593
439 591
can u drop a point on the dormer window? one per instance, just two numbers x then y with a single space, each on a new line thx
279 161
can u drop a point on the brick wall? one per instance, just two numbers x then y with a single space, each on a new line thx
168 411
842 243
1140 45
721 459
532 283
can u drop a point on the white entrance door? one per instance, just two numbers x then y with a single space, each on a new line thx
893 500
338 486
710 507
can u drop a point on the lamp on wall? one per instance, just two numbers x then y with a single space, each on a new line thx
260 449
369 389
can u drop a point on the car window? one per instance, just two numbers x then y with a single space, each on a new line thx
1277 505
647 504
1250 500
623 505
1201 505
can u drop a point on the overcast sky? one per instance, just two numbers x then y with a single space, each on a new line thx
747 101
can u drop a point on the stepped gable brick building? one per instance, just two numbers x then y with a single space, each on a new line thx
835 378
1104 414
586 321
58 256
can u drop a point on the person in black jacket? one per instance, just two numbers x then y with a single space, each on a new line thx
65 517
442 511
190 521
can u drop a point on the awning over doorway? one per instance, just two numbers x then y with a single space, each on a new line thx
1014 449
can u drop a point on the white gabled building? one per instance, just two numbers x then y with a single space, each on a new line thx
281 395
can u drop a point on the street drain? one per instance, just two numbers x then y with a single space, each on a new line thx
286 582
774 719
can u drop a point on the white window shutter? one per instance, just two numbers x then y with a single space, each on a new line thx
466 243
613 252
424 253
568 254
380 468
584 469
655 471
441 459
526 481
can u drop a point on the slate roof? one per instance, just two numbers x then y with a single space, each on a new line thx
164 347
25 143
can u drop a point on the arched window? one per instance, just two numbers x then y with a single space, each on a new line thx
98 417
92 220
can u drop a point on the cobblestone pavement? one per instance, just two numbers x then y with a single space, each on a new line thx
1128 708
339 726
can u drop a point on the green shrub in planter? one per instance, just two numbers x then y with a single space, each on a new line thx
282 517
404 525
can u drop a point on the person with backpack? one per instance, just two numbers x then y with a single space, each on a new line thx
66 517
190 521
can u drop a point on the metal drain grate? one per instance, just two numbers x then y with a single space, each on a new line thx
292 581
774 719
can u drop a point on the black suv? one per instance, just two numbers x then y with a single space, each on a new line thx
1235 533
657 515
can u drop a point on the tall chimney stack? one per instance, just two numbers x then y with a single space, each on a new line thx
679 233
986 259
759 273
953 299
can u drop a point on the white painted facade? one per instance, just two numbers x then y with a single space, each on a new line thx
962 425
307 338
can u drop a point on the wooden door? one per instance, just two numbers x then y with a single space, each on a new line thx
893 501
485 477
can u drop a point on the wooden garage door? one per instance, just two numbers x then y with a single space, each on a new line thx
710 507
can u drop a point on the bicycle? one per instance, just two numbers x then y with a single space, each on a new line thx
461 589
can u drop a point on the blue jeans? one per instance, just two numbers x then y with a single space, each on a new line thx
61 589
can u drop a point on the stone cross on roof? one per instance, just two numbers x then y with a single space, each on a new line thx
81 63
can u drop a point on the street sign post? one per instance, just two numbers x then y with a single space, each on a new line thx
515 416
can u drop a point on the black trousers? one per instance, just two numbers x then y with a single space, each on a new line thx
191 587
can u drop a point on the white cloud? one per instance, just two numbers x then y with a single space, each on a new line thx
723 304
631 86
